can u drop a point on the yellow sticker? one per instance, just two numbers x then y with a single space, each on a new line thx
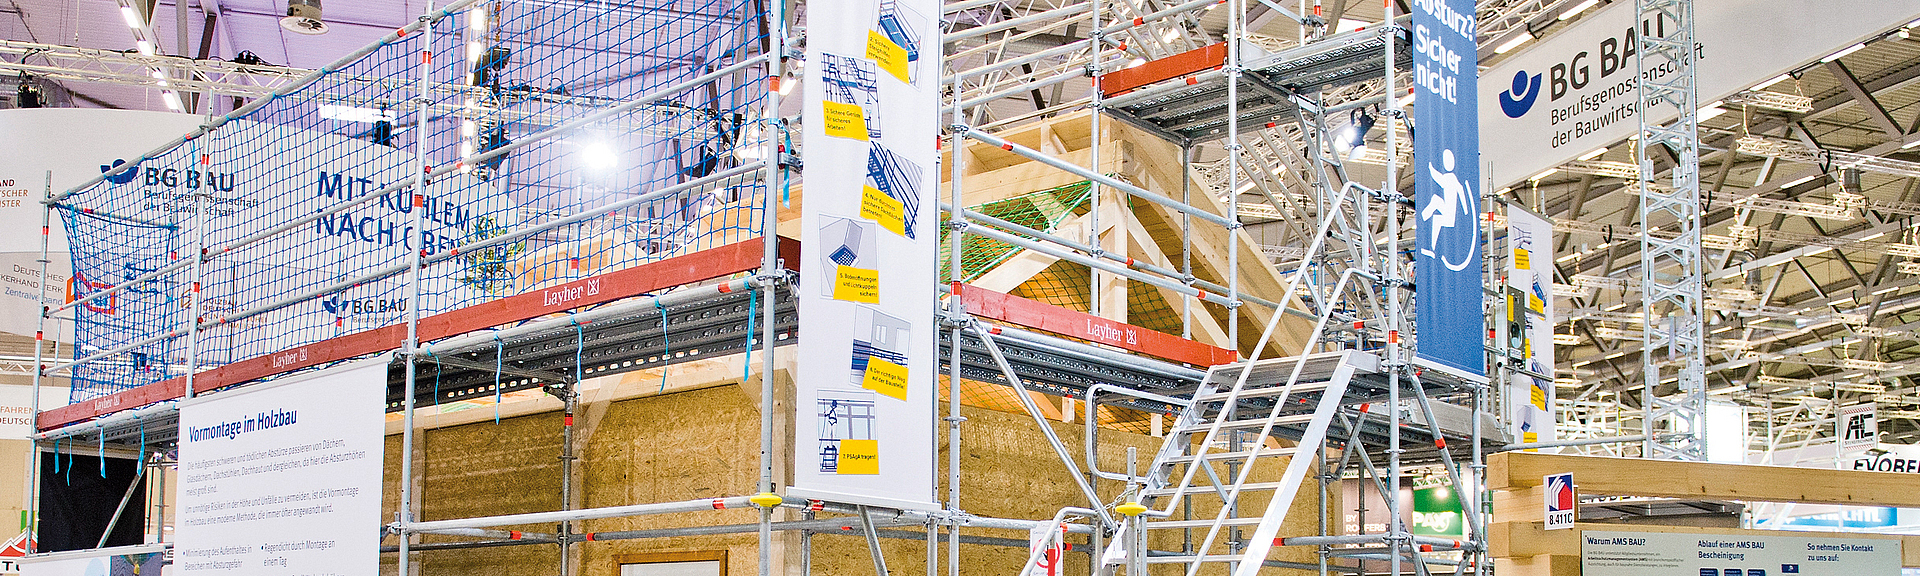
1536 305
884 209
1521 259
886 378
891 57
845 120
857 284
858 457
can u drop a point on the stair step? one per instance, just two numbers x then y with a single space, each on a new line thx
1254 424
1264 392
1185 559
1207 490
1235 455
1182 524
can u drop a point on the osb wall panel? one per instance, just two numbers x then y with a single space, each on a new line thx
484 469
705 443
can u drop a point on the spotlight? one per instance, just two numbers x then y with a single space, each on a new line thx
303 17
28 96
1351 140
599 156
496 138
383 133
486 69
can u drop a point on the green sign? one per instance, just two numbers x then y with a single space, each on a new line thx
1436 512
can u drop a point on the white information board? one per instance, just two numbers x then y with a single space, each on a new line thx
866 388
1694 554
283 479
1574 91
1530 312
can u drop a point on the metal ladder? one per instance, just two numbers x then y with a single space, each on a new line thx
1302 394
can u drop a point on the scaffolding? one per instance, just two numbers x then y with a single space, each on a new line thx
1330 370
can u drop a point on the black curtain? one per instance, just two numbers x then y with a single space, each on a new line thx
76 502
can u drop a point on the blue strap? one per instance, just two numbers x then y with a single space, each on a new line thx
499 349
666 346
753 300
579 345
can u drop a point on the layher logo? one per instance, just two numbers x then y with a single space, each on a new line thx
1516 101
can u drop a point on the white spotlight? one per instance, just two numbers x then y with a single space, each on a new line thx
599 156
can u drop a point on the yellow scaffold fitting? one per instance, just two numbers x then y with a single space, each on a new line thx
766 499
1130 509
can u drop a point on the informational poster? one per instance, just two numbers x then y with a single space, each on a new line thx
866 386
115 561
1529 324
283 479
1446 153
1690 554
1858 429
1574 91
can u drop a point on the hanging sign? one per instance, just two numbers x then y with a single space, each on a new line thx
866 385
1446 152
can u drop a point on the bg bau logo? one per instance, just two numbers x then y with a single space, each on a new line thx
343 308
1518 100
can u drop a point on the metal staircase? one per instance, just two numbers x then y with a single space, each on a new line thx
1234 413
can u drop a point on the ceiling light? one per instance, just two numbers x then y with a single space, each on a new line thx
1509 45
1543 175
173 101
1775 80
354 113
303 17
1594 154
1171 35
1578 8
599 156
1136 62
133 20
145 47
477 18
1849 50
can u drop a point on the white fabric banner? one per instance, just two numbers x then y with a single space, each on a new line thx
1574 91
1706 554
284 478
866 387
1530 308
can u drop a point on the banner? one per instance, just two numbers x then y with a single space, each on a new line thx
1857 427
865 389
1746 554
284 478
71 144
1574 91
1529 324
1446 152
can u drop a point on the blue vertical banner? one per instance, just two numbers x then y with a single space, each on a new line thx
1446 153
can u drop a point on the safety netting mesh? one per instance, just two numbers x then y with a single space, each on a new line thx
1041 210
657 160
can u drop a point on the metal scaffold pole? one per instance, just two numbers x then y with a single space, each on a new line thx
410 347
1671 279
776 175
39 364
